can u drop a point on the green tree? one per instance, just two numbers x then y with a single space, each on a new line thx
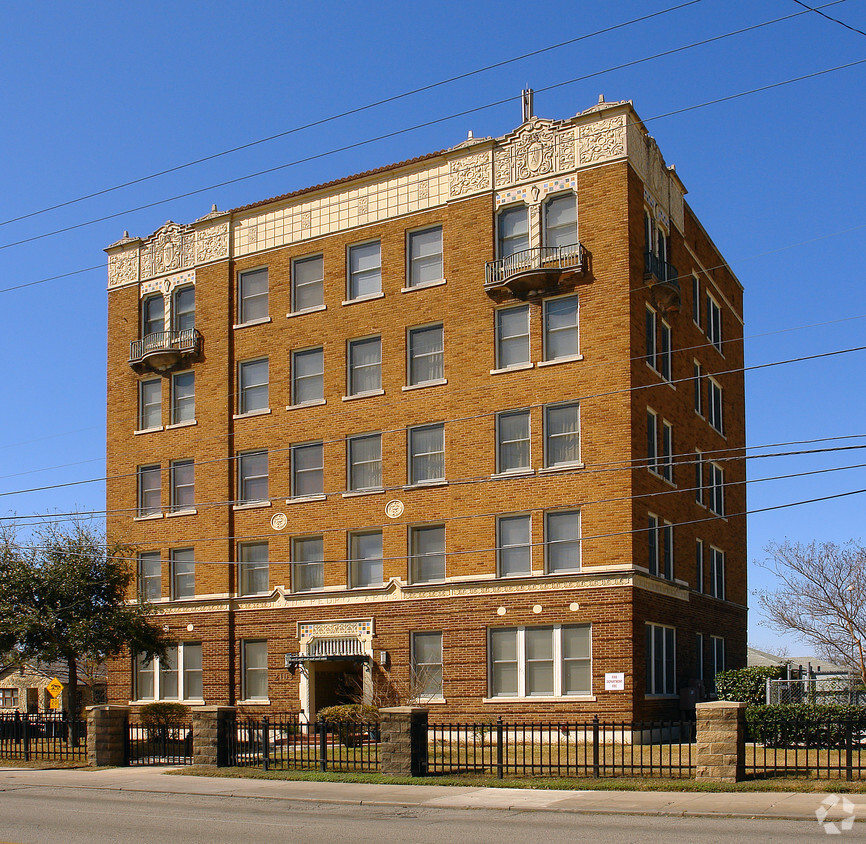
63 597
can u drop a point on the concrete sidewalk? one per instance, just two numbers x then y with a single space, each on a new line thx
784 805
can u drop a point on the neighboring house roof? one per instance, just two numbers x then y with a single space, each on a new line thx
50 670
820 666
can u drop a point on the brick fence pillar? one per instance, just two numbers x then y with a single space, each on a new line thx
403 741
211 726
721 741
107 735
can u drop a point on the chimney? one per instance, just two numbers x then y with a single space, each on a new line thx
527 98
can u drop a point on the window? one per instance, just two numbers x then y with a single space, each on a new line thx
668 540
426 665
254 661
182 573
252 477
8 698
665 356
253 386
561 435
648 230
714 322
427 454
660 660
513 230
652 440
149 404
152 315
308 376
562 541
308 470
717 573
699 656
253 567
560 221
663 244
660 539
365 462
183 309
717 651
308 567
365 366
160 679
714 409
149 576
512 441
365 559
182 397
699 477
551 661
513 545
653 544
182 473
696 300
560 328
425 257
308 283
512 336
699 401
149 490
427 549
651 344
365 270
717 489
425 348
667 461
253 296
699 565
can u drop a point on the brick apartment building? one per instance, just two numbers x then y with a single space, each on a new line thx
465 429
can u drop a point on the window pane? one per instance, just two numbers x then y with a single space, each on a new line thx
253 377
426 454
182 397
144 686
308 571
308 288
253 295
513 432
150 404
365 365
150 576
560 328
168 686
563 435
182 485
308 376
153 315
366 563
503 655
253 573
365 462
149 492
182 573
425 256
563 541
253 476
365 270
514 545
425 354
308 469
428 554
560 221
255 655
192 685
512 336
539 660
427 665
513 231
184 309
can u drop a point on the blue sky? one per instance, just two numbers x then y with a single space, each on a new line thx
95 95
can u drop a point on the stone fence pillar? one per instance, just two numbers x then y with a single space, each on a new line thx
721 741
211 728
403 741
107 735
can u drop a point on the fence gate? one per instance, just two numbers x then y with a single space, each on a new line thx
148 745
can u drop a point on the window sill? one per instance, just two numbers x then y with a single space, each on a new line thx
141 431
255 702
314 403
252 505
359 492
514 473
189 511
661 697
426 285
304 499
364 395
144 702
265 411
358 586
566 359
436 701
369 298
437 383
543 698
518 367
314 310
565 467
147 518
425 484
187 424
259 321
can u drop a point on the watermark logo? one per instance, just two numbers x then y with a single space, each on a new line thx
845 807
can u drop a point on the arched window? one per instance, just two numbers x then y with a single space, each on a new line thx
183 310
560 221
152 315
513 230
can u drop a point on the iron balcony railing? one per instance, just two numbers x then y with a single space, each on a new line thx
541 258
662 270
187 341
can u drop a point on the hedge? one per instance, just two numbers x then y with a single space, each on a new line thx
747 685
799 724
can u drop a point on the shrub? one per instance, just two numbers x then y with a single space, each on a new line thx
164 719
797 724
747 685
350 719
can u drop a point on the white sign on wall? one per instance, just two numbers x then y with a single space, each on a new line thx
614 682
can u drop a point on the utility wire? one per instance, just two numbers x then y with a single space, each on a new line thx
817 11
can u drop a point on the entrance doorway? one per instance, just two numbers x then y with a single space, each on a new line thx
335 682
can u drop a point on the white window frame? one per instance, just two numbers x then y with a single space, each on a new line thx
354 559
246 301
415 477
501 469
148 322
414 261
665 352
716 502
416 558
698 375
718 586
548 332
652 343
314 568
176 313
250 570
154 667
353 368
178 486
715 406
178 404
246 670
696 300
668 658
549 567
252 393
177 571
654 554
245 477
513 338
412 378
547 435
424 670
320 282
295 472
354 276
699 565
717 652
500 240
547 229
652 440
147 407
148 580
699 477
352 463
526 546
145 477
558 662
714 323
298 380
667 459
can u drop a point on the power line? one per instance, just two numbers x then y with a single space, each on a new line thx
817 11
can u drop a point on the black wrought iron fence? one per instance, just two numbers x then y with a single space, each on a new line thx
44 737
285 742
159 745
588 749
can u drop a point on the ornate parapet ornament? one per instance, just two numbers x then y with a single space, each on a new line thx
469 174
123 267
212 243
537 149
168 250
602 140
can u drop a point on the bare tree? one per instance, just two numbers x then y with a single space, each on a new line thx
820 596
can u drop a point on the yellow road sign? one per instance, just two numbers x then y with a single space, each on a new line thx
54 703
55 687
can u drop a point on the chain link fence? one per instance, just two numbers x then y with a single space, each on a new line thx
845 691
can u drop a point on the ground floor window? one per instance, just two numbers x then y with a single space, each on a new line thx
660 660
254 660
177 676
717 652
8 697
427 665
540 661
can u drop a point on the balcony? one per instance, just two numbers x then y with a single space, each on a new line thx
663 281
534 270
165 351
